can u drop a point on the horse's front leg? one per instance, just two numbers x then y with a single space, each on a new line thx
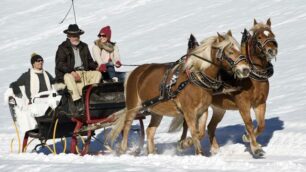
184 142
260 112
191 120
217 116
255 147
154 123
201 127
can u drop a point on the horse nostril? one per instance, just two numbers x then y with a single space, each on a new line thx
246 71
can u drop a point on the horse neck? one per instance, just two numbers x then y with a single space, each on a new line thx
212 71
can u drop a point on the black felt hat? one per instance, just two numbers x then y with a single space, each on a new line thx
74 30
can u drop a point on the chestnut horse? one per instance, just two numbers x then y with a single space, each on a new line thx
143 84
261 48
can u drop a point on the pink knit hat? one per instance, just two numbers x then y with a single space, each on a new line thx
106 31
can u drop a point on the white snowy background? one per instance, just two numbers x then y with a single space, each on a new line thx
156 31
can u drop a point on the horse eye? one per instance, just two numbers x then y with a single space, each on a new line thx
230 53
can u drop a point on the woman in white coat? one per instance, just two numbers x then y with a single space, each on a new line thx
106 53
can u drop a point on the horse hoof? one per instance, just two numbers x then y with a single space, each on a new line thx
200 153
245 138
214 151
189 141
259 153
179 146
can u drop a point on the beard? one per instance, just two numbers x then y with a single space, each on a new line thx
75 42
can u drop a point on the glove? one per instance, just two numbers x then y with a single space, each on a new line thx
102 68
118 64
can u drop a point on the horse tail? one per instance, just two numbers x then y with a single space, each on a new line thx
116 127
176 124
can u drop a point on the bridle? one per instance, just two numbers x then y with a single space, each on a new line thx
261 44
253 42
220 56
232 63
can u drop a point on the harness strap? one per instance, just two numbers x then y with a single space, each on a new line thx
159 99
204 81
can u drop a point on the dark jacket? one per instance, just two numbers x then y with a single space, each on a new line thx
64 60
25 80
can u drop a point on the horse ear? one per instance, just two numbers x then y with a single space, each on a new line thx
220 37
192 42
229 33
269 22
255 22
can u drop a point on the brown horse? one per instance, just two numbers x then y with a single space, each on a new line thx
261 48
143 84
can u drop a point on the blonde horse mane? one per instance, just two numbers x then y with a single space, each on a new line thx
204 51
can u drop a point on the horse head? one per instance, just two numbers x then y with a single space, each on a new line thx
263 40
230 56
222 50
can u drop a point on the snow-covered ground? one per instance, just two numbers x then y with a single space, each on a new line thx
157 31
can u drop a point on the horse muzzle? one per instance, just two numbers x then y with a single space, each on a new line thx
271 54
242 72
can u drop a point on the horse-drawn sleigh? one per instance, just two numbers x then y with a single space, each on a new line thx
184 88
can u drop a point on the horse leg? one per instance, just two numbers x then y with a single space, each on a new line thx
255 147
260 112
127 126
191 118
187 142
154 123
217 116
202 124
184 142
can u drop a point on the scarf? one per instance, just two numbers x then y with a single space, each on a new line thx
34 81
105 46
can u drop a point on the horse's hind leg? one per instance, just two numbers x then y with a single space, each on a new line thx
217 116
127 126
154 123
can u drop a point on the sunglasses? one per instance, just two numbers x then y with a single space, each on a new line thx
103 36
39 60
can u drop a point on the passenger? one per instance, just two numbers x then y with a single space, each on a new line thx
74 65
27 91
106 53
35 80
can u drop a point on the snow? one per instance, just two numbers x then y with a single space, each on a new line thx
155 31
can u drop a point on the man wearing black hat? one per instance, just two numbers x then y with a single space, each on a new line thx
74 64
35 80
